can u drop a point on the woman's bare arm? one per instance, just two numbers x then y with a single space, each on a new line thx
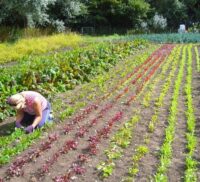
19 116
38 112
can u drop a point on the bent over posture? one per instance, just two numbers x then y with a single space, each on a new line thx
33 110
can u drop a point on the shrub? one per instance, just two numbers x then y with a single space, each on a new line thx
159 22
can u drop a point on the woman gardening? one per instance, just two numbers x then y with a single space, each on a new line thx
33 110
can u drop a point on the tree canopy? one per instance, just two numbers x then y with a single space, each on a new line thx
97 13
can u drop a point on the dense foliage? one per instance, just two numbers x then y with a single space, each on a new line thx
61 71
105 13
35 46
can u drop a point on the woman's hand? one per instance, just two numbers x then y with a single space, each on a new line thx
18 125
29 129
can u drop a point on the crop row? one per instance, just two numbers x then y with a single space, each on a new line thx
93 143
81 131
165 38
147 97
141 150
59 72
117 146
18 162
15 167
18 135
165 88
102 84
191 163
197 58
139 89
120 141
106 107
77 118
166 148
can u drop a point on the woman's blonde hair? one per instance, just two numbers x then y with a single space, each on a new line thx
17 100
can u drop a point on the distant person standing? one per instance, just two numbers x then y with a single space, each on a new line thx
33 110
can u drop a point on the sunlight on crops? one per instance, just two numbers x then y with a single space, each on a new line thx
12 52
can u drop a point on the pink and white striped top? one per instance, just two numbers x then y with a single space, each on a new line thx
30 98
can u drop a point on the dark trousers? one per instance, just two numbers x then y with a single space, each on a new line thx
28 118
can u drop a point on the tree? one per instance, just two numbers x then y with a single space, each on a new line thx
173 10
67 11
24 12
193 10
117 13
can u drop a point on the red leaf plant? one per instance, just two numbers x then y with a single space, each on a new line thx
72 144
106 108
140 87
15 168
92 150
93 142
105 131
81 132
49 163
69 145
129 75
68 128
82 158
93 122
64 178
85 112
78 169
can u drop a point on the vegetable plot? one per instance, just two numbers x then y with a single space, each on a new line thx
133 122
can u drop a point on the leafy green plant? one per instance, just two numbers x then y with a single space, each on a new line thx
106 169
115 153
119 142
61 71
140 151
22 144
197 58
67 112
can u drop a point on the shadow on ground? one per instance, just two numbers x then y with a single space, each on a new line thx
7 129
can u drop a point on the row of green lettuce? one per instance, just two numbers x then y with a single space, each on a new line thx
158 38
61 71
